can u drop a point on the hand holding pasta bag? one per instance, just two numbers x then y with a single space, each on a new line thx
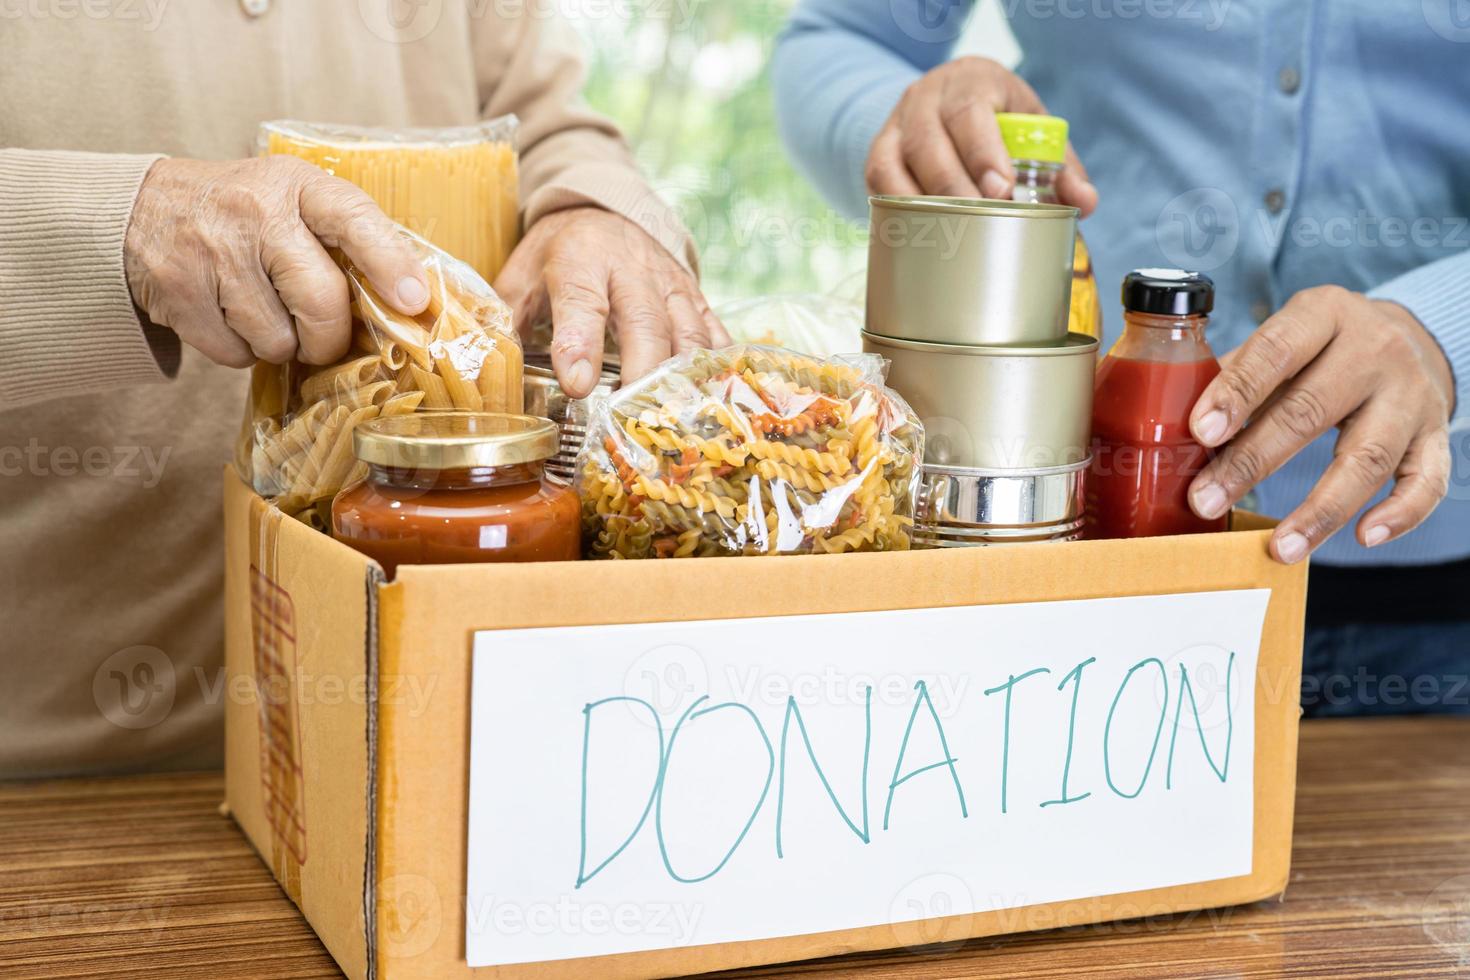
751 450
232 256
459 352
456 185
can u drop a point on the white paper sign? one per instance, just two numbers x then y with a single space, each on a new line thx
648 786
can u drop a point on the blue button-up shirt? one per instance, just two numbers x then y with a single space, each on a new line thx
1275 144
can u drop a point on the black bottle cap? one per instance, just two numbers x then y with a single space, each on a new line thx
1168 292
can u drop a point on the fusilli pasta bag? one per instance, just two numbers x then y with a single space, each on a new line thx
751 450
459 353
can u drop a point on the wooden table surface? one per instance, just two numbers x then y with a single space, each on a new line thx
141 877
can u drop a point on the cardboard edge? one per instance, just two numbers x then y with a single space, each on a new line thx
387 603
594 576
243 507
238 799
373 580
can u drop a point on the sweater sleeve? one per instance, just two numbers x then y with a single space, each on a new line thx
1438 294
839 69
67 321
531 65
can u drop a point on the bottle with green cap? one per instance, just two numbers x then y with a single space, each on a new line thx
1038 149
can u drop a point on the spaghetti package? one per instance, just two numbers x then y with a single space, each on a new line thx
456 187
750 450
460 353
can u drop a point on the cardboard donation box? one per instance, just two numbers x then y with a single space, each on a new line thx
645 769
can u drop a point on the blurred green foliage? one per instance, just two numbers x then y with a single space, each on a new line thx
689 82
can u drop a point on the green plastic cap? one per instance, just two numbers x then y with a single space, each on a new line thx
1029 137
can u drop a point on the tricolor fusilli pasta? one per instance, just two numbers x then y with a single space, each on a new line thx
751 451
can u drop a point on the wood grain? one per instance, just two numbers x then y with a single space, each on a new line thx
141 877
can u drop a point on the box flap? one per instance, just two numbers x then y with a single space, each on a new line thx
300 633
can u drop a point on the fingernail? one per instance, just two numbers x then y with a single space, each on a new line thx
1292 548
1210 501
993 185
1211 428
580 376
1376 535
412 293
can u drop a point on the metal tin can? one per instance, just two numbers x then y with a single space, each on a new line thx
962 507
1003 408
950 270
545 398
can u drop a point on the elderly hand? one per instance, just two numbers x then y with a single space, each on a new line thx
588 268
1331 357
942 138
231 257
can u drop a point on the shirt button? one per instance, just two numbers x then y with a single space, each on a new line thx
1275 200
1260 310
255 8
1290 80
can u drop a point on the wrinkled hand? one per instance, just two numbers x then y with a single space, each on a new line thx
1331 357
589 268
942 138
231 257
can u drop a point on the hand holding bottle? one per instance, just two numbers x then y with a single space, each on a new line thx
1331 357
942 138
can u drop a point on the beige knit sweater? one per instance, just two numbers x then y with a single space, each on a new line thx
111 441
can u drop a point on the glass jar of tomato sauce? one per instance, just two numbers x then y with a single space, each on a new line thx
1143 456
454 487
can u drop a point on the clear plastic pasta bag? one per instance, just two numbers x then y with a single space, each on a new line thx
820 325
460 353
458 187
750 450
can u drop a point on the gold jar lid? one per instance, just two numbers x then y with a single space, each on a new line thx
455 440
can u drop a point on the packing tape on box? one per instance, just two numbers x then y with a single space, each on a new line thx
273 641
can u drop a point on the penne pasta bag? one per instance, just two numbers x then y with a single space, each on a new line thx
458 187
461 352
750 450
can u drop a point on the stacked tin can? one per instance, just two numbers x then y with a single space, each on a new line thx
968 299
545 398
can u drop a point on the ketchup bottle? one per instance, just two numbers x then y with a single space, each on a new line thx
1143 457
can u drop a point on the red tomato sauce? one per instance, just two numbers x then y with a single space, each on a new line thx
502 514
1143 455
